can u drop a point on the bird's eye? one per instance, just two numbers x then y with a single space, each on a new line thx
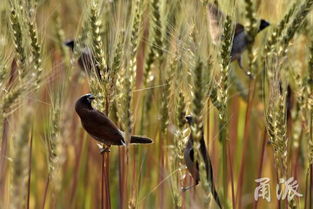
90 98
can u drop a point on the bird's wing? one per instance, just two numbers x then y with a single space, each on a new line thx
192 166
102 128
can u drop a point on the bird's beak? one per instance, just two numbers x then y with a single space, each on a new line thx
92 97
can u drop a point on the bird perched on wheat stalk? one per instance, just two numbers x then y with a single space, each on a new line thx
100 127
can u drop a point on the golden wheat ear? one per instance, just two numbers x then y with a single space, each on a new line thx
140 140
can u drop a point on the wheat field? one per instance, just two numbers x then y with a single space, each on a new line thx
154 62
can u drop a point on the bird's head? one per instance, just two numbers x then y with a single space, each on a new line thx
84 102
70 44
189 119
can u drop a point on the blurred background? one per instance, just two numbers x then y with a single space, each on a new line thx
159 63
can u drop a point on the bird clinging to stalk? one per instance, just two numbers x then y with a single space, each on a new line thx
100 127
240 39
193 166
86 60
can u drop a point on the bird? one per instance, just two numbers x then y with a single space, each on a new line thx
86 60
193 167
240 38
100 127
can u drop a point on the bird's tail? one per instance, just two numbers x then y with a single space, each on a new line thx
140 140
263 25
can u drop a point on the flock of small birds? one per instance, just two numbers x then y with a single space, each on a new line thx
102 129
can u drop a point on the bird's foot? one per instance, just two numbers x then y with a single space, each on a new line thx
184 189
249 74
104 148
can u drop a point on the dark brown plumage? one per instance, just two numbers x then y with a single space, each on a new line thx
193 167
100 127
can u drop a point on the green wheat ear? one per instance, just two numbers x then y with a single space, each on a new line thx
35 51
97 41
134 39
19 166
99 88
126 106
295 24
301 95
252 30
277 32
54 141
115 69
156 48
11 99
223 83
157 43
277 131
181 134
166 95
52 137
18 40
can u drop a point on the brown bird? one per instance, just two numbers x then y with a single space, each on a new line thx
240 39
86 60
193 167
100 127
